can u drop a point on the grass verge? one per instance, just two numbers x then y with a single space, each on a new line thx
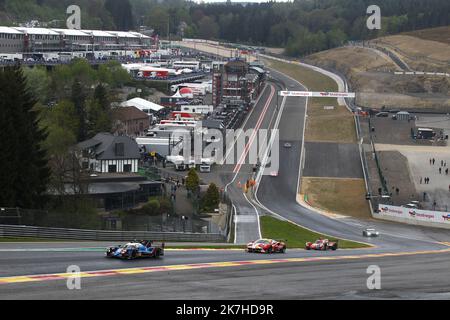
295 236
326 125
341 196
313 80
323 125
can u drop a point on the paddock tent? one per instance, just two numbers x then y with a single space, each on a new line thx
143 105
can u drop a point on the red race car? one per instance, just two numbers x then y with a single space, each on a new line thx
321 244
266 246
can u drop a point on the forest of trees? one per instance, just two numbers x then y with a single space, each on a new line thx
302 26
75 104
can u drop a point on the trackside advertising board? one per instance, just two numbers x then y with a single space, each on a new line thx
317 94
414 214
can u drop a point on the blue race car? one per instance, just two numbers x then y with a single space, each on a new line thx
136 249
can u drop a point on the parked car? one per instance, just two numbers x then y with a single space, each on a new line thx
382 115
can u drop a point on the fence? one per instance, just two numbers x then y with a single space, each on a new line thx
9 231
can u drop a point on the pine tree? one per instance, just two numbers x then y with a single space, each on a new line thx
101 95
212 198
192 181
79 101
24 172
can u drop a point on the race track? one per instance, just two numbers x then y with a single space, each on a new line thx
413 260
333 275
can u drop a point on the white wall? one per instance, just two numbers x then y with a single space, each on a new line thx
428 218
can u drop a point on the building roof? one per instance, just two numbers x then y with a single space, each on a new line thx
9 30
99 33
38 31
122 34
157 145
140 35
104 147
71 32
88 144
129 113
257 69
213 124
142 104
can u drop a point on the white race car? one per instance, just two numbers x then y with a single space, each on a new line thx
370 232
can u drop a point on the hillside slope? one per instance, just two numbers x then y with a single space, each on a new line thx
372 74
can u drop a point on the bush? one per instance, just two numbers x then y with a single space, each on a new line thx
192 181
211 200
151 208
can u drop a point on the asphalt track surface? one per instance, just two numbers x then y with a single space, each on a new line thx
235 176
414 263
339 275
341 161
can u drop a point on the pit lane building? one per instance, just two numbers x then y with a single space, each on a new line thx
27 40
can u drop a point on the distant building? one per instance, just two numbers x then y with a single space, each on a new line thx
38 40
106 153
237 83
130 121
144 105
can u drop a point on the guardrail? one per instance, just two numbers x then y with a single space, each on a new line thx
11 231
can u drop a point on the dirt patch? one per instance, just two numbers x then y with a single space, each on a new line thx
441 34
416 48
396 172
274 50
353 60
420 54
372 76
341 196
